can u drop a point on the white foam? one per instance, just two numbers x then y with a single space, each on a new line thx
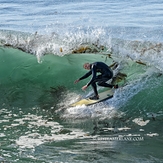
35 139
152 134
117 129
2 135
140 121
61 44
110 107
100 110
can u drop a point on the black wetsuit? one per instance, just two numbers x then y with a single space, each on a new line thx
106 74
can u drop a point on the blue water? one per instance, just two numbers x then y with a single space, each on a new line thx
43 45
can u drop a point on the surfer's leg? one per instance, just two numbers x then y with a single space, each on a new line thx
94 86
102 82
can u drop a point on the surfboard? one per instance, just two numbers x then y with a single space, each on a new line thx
102 97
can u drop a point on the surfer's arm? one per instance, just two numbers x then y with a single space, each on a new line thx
83 77
86 75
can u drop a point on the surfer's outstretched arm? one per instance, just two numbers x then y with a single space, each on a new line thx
83 77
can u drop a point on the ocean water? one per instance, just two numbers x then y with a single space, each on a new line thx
43 45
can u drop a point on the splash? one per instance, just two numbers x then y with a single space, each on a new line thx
90 40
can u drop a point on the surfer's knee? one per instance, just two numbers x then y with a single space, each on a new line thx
100 83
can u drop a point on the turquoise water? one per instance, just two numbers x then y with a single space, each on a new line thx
43 46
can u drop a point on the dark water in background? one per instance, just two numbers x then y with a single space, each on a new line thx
43 47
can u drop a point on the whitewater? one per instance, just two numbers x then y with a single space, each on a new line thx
43 46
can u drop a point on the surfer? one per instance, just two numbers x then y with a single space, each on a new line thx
94 68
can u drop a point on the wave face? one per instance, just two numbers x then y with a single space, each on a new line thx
32 63
36 80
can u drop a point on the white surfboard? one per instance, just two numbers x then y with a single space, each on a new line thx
102 97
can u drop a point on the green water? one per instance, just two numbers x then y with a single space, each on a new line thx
38 126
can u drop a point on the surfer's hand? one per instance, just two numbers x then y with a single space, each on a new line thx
84 87
76 81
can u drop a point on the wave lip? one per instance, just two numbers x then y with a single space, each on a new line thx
80 41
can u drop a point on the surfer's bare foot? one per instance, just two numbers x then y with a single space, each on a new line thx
96 97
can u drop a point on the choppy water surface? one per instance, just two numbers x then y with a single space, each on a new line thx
43 46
